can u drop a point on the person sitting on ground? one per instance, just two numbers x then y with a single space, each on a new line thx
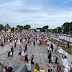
10 67
42 69
58 68
49 69
32 59
35 70
28 64
70 70
37 67
65 62
9 53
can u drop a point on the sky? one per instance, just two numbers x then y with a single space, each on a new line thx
36 13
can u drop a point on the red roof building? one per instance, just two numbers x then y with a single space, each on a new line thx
8 27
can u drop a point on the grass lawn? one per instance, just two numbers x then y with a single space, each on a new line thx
69 50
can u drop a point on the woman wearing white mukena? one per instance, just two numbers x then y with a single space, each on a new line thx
19 42
65 62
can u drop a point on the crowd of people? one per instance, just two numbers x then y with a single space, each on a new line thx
31 38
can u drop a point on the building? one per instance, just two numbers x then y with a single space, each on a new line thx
50 30
8 28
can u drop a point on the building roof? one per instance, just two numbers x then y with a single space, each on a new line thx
8 27
50 29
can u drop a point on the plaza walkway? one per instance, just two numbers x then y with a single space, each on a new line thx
15 60
40 53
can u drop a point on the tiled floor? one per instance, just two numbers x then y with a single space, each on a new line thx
40 53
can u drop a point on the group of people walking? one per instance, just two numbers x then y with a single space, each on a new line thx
32 39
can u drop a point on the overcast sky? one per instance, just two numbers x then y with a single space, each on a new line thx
37 13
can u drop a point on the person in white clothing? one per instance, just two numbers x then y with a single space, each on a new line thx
52 59
65 62
48 48
67 68
28 66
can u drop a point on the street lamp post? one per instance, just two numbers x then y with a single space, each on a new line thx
69 34
6 29
57 33
63 31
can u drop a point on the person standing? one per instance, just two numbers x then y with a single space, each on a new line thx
32 59
32 42
52 47
48 48
26 58
58 68
10 42
26 46
15 43
20 50
56 60
49 57
23 55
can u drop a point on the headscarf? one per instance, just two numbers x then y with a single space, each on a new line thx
35 70
42 68
32 56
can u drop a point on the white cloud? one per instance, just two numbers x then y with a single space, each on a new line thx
19 12
67 1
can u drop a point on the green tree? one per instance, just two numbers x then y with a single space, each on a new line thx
54 31
45 28
27 27
66 27
1 27
12 29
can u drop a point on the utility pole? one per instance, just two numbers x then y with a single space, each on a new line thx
57 32
63 31
6 29
14 32
69 34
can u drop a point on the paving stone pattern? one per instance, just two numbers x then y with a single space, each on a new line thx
40 54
